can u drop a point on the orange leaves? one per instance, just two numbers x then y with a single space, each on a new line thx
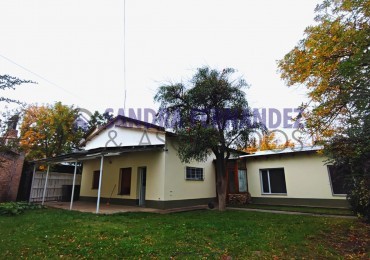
49 130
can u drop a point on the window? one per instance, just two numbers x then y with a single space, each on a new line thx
194 174
336 180
273 181
242 177
95 181
125 181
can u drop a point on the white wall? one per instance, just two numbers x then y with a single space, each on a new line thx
177 187
120 134
306 175
153 160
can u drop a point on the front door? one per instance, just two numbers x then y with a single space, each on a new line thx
142 185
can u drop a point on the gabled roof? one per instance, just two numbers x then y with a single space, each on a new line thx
288 150
125 120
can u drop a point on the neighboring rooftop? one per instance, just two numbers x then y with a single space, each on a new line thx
298 149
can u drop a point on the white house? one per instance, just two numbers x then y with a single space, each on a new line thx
131 162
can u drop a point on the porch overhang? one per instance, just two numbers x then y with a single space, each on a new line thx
89 155
98 152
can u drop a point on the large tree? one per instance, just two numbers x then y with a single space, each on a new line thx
333 62
209 114
49 130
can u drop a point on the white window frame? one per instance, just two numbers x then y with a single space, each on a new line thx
268 179
194 179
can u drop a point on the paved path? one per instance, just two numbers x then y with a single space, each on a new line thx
291 212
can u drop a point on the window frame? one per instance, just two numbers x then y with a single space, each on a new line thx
269 183
194 179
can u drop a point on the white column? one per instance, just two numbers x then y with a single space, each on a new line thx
99 189
46 183
32 182
73 186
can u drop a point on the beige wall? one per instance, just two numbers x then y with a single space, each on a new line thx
306 176
177 187
153 160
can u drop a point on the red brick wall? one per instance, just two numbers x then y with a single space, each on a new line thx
11 165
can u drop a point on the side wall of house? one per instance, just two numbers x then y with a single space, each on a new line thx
306 177
181 192
152 160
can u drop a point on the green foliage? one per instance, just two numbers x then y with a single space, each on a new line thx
350 154
209 114
98 119
17 208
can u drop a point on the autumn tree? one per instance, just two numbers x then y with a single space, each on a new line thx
209 114
333 62
49 130
267 141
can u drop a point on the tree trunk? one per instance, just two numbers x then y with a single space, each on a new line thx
221 183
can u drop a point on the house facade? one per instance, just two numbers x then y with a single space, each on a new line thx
297 176
131 162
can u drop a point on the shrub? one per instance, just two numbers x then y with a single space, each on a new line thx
359 197
16 208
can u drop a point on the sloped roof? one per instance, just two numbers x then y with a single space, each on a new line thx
125 120
288 150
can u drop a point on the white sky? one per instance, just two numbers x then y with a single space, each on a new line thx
76 47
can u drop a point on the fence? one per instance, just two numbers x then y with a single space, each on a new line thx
54 186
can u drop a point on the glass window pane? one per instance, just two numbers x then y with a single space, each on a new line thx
265 184
277 181
337 180
242 176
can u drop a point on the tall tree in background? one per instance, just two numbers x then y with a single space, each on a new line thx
98 119
333 61
209 114
9 121
49 130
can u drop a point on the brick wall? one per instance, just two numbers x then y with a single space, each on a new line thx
11 165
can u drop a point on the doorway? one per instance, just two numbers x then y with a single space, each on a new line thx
142 185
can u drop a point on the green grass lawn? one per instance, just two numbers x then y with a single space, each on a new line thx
314 210
52 233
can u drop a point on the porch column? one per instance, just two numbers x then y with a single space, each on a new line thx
32 182
99 188
46 183
73 186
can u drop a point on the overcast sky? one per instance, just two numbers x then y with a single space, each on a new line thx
74 49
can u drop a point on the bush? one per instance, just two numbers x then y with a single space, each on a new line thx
16 208
359 197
